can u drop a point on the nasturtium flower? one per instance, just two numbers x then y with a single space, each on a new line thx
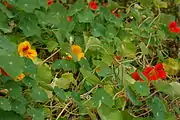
93 5
173 27
115 13
50 2
20 77
24 50
76 50
151 73
69 18
69 57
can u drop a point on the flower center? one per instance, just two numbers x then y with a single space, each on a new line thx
152 72
25 48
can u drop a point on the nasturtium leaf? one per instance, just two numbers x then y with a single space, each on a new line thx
27 6
86 16
111 31
76 97
5 104
7 45
9 115
14 88
175 88
18 107
129 49
92 43
39 95
132 96
142 88
5 10
44 74
43 3
30 67
158 109
60 93
29 24
4 23
169 88
55 14
29 82
107 113
166 18
66 65
51 45
101 96
109 89
65 81
36 113
90 77
78 6
85 64
98 30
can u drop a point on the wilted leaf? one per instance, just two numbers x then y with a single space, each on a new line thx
65 81
44 74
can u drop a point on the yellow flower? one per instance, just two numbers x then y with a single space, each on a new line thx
80 55
77 51
20 77
24 50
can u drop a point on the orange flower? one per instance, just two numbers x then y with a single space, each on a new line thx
69 57
24 49
77 51
20 77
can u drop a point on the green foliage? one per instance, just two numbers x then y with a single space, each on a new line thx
117 39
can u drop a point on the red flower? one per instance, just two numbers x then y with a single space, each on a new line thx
136 76
3 72
69 18
93 5
116 14
50 2
7 4
151 73
173 27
